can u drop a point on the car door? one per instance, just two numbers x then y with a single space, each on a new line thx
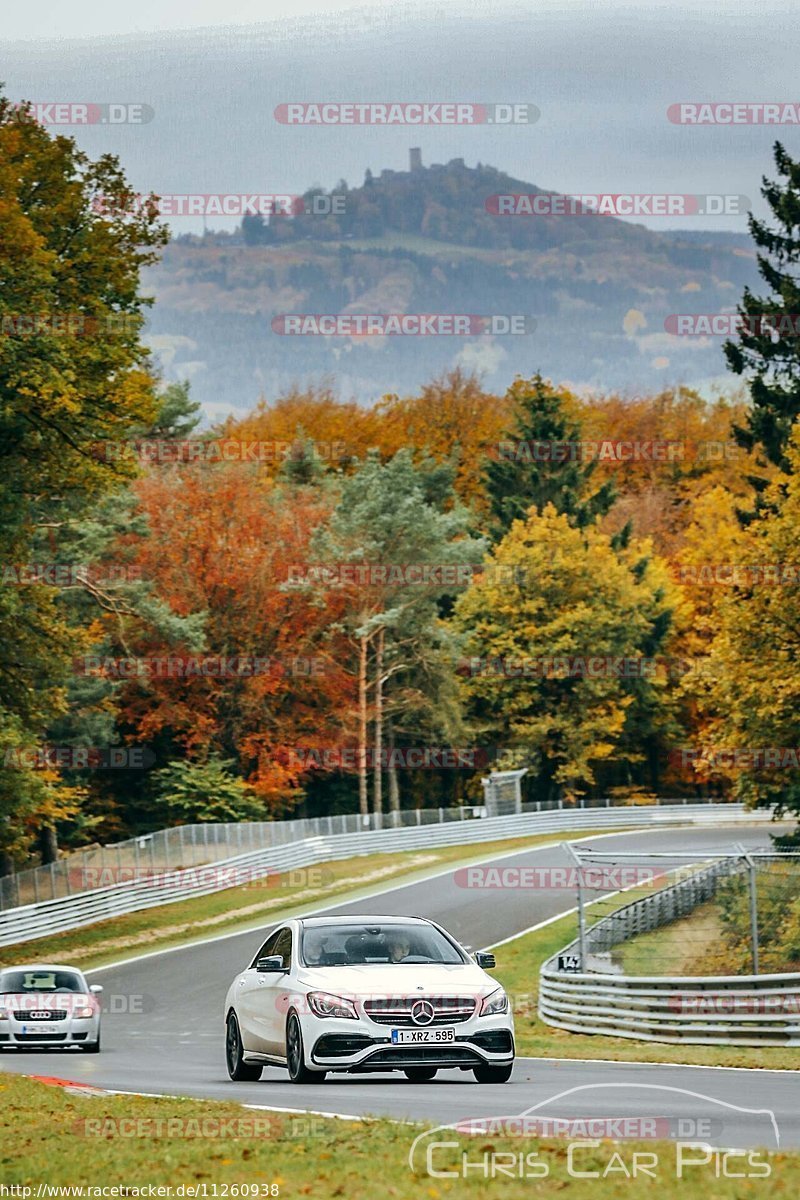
274 991
248 1000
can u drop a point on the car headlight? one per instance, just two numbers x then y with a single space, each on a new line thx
83 1012
322 1004
496 1002
3 1014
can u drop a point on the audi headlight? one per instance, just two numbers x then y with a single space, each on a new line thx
322 1004
83 1012
496 1002
3 1014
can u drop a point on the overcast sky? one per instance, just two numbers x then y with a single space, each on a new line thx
98 18
602 72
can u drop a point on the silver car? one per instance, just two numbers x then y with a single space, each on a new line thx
49 1005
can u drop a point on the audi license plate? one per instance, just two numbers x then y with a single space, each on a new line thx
37 1029
401 1036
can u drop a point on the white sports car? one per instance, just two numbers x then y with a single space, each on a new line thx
367 994
48 1005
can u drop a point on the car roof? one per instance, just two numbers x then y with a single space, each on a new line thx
359 919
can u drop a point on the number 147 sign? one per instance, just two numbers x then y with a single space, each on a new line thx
569 962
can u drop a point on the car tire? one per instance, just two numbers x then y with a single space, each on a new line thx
420 1074
92 1047
295 1055
490 1074
239 1070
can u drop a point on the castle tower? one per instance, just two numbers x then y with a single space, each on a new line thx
415 159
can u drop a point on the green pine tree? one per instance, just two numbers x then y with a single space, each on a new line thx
768 350
533 471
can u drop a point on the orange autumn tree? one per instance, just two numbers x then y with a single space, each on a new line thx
341 431
678 445
220 545
452 418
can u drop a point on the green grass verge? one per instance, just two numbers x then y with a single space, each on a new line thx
682 948
56 1138
518 971
253 905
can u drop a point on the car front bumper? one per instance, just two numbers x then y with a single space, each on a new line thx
77 1031
365 1046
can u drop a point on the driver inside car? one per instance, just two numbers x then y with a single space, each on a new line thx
399 948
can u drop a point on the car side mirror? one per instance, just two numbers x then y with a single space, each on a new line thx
485 960
271 965
95 987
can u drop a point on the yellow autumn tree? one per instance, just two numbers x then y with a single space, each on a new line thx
562 636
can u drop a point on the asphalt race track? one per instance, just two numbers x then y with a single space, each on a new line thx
171 1042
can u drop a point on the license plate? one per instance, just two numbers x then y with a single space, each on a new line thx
37 1028
402 1036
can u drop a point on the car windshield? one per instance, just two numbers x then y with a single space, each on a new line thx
357 945
43 980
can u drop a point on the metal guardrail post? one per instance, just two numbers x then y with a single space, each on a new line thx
581 913
751 871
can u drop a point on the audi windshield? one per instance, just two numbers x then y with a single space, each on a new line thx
365 945
18 982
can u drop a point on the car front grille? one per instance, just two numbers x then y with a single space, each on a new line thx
396 1011
53 1014
40 1037
433 1056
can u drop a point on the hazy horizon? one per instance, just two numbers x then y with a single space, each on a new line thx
213 90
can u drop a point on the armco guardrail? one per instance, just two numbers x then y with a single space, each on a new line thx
32 921
747 1010
707 1009
194 845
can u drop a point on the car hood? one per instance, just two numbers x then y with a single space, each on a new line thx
379 980
59 1001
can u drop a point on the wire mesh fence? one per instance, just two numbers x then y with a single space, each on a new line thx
201 844
193 846
736 913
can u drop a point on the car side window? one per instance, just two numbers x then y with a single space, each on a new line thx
283 946
268 947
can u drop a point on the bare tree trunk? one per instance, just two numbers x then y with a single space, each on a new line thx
48 844
394 787
363 800
377 799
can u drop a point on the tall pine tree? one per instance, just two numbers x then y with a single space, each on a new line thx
541 462
768 350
